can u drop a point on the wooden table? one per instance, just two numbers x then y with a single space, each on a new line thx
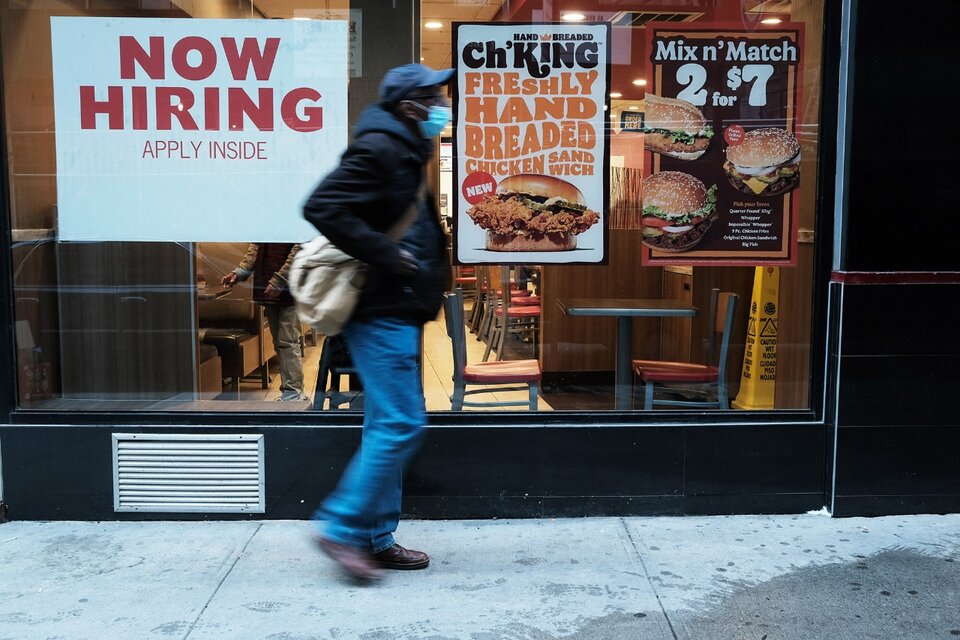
625 310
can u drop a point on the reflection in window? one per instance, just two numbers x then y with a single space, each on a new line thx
147 326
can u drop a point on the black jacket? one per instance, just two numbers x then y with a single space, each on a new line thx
360 200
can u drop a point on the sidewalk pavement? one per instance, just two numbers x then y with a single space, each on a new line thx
805 577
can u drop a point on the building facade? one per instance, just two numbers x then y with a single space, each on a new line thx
148 144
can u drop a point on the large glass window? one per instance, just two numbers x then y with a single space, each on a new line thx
629 192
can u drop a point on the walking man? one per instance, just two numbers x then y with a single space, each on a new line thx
377 191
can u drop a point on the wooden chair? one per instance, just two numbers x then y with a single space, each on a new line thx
478 314
525 372
488 300
712 376
510 314
465 278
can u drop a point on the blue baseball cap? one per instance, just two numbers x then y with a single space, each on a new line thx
400 81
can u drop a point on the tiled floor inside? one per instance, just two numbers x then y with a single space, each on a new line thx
437 374
437 381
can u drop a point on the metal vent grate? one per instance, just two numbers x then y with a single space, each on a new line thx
209 473
637 19
772 6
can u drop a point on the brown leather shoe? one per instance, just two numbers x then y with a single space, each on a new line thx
396 557
354 562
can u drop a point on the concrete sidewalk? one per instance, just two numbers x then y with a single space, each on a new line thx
727 578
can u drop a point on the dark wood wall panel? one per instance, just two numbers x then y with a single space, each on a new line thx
589 344
127 320
739 280
37 316
677 332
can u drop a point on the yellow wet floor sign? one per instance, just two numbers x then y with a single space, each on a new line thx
758 378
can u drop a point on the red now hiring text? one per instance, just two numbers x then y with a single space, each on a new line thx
156 107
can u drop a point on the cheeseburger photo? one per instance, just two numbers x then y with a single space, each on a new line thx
677 211
766 163
531 212
675 128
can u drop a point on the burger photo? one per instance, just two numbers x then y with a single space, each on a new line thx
766 162
675 128
678 210
531 212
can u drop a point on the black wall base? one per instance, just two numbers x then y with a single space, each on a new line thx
869 506
897 373
65 472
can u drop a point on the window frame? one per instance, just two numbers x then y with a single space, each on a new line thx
822 400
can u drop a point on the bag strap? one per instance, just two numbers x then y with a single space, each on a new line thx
401 226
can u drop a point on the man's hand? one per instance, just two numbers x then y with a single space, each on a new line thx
271 292
229 280
408 264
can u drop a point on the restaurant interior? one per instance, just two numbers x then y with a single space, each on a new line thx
147 326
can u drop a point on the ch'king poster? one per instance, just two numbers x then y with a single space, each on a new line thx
531 156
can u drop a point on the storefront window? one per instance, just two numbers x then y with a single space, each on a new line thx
629 190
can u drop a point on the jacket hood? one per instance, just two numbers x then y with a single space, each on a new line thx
377 119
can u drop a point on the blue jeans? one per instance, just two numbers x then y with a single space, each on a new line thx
364 510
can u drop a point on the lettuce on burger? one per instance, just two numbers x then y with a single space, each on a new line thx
675 128
677 211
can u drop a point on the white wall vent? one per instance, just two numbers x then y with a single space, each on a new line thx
207 473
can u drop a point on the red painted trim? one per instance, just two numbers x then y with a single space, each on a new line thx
896 277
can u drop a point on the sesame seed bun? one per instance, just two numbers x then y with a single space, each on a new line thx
673 114
539 185
675 128
674 192
768 147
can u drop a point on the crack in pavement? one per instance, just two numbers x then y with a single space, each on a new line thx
216 590
647 575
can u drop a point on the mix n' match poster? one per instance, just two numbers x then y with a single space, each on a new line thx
531 159
722 134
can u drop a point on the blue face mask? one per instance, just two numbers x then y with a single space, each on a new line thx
437 119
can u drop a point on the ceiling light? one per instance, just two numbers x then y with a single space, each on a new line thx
771 21
634 108
616 94
572 16
433 24
640 82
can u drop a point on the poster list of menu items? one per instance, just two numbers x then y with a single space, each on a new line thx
721 130
531 156
195 130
